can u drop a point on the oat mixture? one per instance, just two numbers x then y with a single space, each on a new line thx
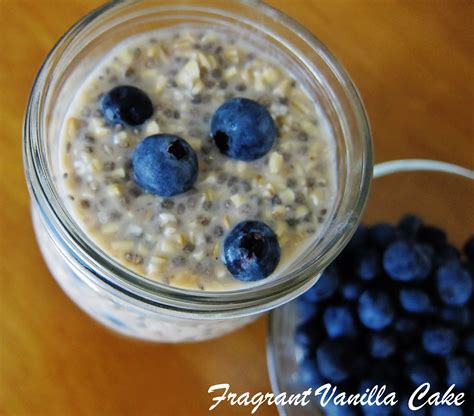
188 74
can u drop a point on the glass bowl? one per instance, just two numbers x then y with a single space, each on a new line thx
440 193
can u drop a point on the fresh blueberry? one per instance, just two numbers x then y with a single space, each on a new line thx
351 290
382 234
308 373
367 264
460 371
404 410
334 360
432 235
306 310
405 325
126 104
332 409
439 340
339 322
243 129
406 261
454 284
456 316
409 225
325 287
164 165
420 373
365 387
251 251
415 300
382 345
469 343
446 254
469 248
446 410
358 240
376 309
305 334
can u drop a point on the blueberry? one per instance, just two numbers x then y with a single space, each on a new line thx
382 345
454 284
382 234
456 316
334 360
338 321
439 340
164 165
376 309
367 264
358 240
306 310
446 410
332 409
305 334
469 248
325 287
405 325
420 373
446 254
433 235
251 251
404 410
460 371
413 356
415 300
308 374
406 261
243 129
469 343
409 225
126 104
382 410
351 290
366 386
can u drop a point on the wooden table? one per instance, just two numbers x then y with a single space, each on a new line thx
411 62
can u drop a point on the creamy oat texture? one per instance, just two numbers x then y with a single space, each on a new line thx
188 74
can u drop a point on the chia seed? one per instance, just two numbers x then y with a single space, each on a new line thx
181 208
207 205
241 87
223 84
205 221
85 204
218 231
133 258
292 222
179 261
246 186
189 248
222 177
291 182
167 204
197 99
109 166
216 73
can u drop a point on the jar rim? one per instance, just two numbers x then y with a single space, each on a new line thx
112 276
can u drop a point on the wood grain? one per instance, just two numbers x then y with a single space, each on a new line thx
412 62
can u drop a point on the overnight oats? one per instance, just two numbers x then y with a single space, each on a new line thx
260 152
192 166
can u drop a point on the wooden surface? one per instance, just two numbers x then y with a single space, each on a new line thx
412 63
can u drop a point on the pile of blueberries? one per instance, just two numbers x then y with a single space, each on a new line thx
396 308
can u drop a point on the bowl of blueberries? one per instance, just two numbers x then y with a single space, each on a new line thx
388 329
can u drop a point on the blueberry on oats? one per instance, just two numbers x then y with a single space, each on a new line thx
126 104
243 129
164 165
251 251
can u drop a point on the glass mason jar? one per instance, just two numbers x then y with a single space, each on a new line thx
121 299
